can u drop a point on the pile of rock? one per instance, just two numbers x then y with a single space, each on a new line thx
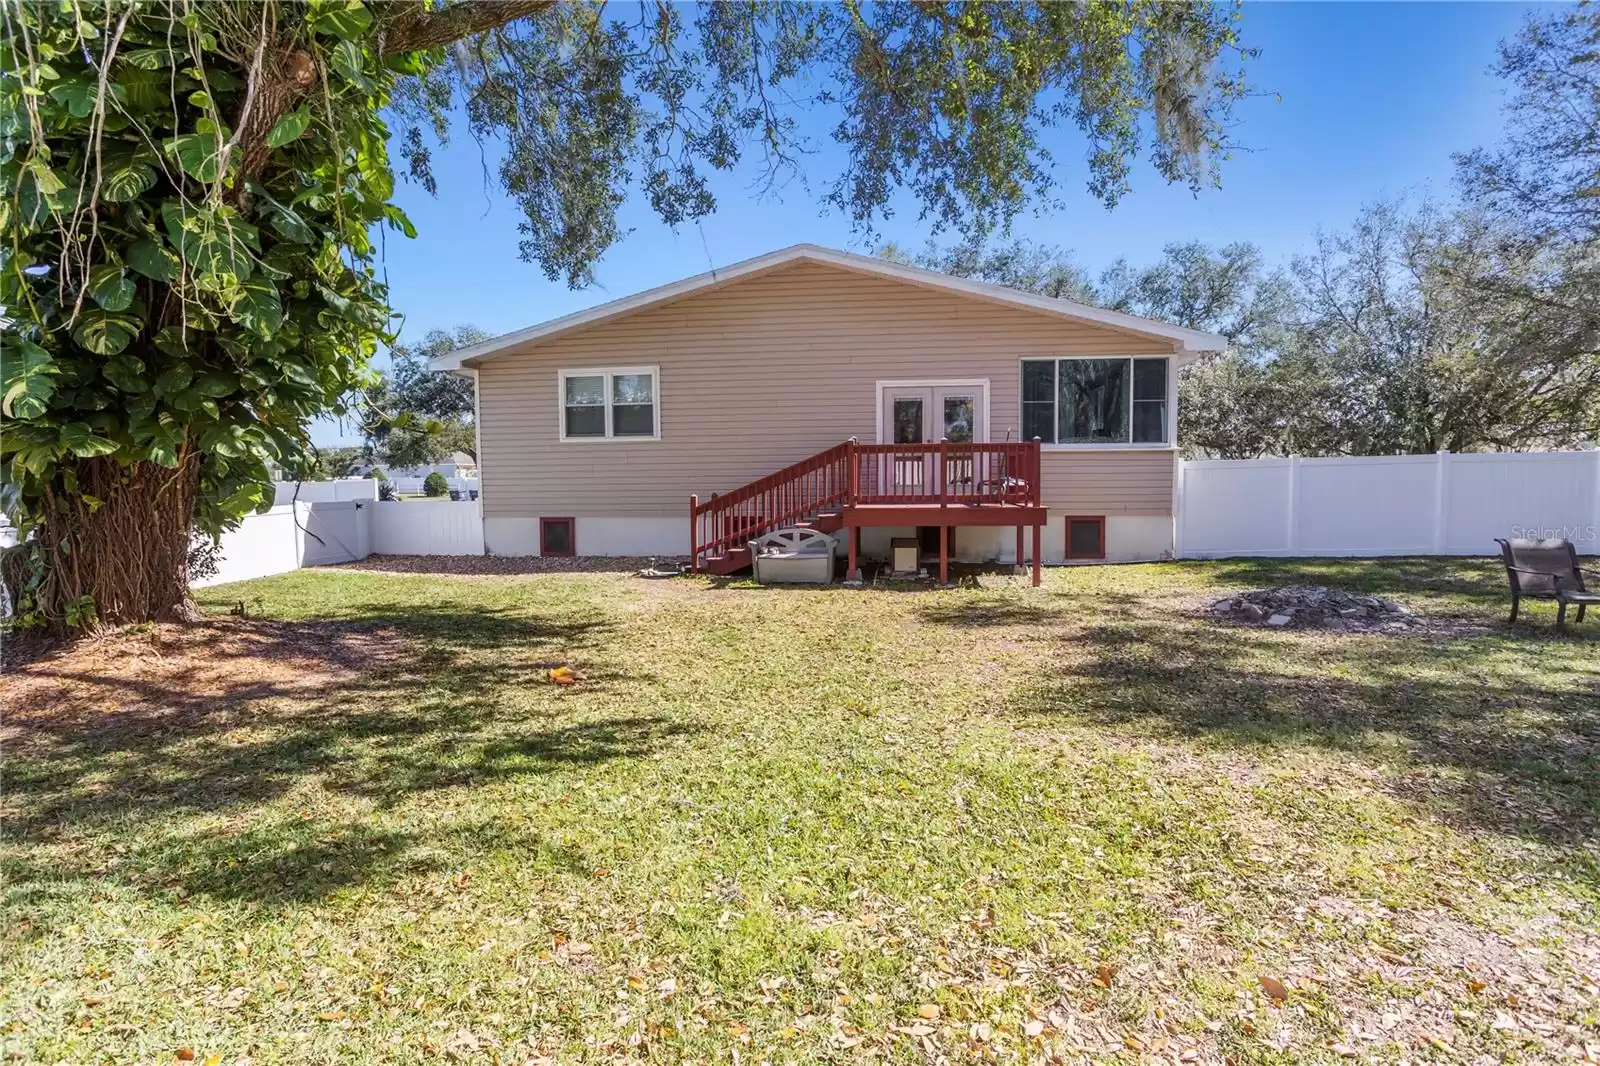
1317 607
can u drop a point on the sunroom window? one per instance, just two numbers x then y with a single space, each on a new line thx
1098 400
610 404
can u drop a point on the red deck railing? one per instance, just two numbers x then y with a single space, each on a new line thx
947 473
853 474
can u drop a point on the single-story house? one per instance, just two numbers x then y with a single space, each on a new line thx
460 464
818 386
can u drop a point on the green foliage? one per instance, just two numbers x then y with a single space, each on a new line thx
332 463
1545 178
416 417
435 485
956 102
203 305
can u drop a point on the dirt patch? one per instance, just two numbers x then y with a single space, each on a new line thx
163 676
503 565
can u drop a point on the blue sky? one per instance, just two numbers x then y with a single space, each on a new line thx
1359 101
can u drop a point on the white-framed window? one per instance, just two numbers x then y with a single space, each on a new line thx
1096 400
611 403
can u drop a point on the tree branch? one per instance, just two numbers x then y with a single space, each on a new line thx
421 27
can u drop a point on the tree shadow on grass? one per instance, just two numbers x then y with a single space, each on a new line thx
227 719
1499 729
1512 719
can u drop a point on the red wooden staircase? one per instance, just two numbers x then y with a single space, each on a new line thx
810 494
852 485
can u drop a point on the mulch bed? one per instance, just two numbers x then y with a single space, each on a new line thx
160 676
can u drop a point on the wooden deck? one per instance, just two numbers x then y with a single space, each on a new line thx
852 485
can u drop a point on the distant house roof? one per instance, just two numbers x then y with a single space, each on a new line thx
1185 340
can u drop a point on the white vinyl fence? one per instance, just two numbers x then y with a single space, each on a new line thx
347 488
1440 504
413 486
433 527
313 534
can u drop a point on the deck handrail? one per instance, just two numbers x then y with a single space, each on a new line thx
944 473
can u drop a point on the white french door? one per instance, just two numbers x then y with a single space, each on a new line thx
925 413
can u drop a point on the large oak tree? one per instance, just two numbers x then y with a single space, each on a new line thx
192 196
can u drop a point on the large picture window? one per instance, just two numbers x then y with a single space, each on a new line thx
610 404
1095 401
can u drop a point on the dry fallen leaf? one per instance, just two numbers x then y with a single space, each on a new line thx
1033 1029
1475 985
331 1016
928 1011
186 1054
565 675
1104 974
213 1059
1275 989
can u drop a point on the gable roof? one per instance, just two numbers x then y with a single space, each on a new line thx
1183 340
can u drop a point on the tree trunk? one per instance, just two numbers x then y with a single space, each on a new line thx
113 551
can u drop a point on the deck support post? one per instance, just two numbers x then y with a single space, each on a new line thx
1019 562
853 571
1036 537
944 555
694 549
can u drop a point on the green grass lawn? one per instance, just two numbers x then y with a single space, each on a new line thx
1074 823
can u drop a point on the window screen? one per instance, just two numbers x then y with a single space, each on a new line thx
1086 538
555 536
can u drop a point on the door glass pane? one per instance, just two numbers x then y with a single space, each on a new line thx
633 420
633 388
908 421
1093 406
587 391
958 418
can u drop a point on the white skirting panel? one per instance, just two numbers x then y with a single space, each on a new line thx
1128 538
1137 538
594 535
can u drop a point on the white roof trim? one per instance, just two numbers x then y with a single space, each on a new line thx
1185 340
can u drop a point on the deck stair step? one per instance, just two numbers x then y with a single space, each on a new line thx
730 562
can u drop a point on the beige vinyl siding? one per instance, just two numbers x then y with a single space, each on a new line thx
1109 482
769 370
